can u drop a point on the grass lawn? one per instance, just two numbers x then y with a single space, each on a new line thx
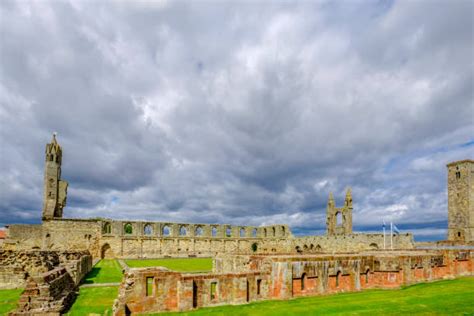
176 264
94 300
451 297
8 300
105 271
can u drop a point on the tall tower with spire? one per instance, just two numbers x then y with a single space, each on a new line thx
55 189
339 219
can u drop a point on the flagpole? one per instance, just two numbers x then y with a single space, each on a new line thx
384 235
391 235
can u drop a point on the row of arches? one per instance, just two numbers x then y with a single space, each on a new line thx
183 230
311 248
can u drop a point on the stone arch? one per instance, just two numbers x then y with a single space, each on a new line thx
106 252
273 231
183 230
128 229
214 231
254 232
283 231
166 231
318 248
107 228
264 232
374 246
228 231
148 230
242 232
311 247
198 231
305 248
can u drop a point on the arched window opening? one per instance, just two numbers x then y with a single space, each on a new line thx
107 229
242 232
182 231
254 247
303 280
166 230
274 231
374 246
254 232
338 274
198 231
283 232
264 232
305 248
338 218
148 230
318 248
128 229
228 232
214 231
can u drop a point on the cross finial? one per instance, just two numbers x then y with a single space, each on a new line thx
54 141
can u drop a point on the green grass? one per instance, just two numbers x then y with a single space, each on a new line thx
94 300
452 297
176 264
105 271
8 300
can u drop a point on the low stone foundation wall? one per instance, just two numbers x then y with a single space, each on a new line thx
16 266
50 278
49 293
284 277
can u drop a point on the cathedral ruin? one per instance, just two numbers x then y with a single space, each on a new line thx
250 263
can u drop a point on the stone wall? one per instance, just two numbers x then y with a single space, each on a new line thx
157 289
49 293
50 278
109 239
350 243
16 266
284 277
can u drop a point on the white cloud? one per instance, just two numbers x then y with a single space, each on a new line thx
237 113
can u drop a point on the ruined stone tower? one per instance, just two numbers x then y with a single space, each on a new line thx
55 189
461 201
339 220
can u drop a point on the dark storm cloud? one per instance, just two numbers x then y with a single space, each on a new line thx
245 113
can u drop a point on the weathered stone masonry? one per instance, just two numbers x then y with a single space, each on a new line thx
106 238
49 278
461 201
242 279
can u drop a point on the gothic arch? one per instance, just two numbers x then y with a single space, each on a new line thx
148 230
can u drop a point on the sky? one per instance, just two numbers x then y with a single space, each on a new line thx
239 112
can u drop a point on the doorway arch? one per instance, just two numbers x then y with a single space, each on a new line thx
106 252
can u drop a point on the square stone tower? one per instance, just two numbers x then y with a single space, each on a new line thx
461 201
55 189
